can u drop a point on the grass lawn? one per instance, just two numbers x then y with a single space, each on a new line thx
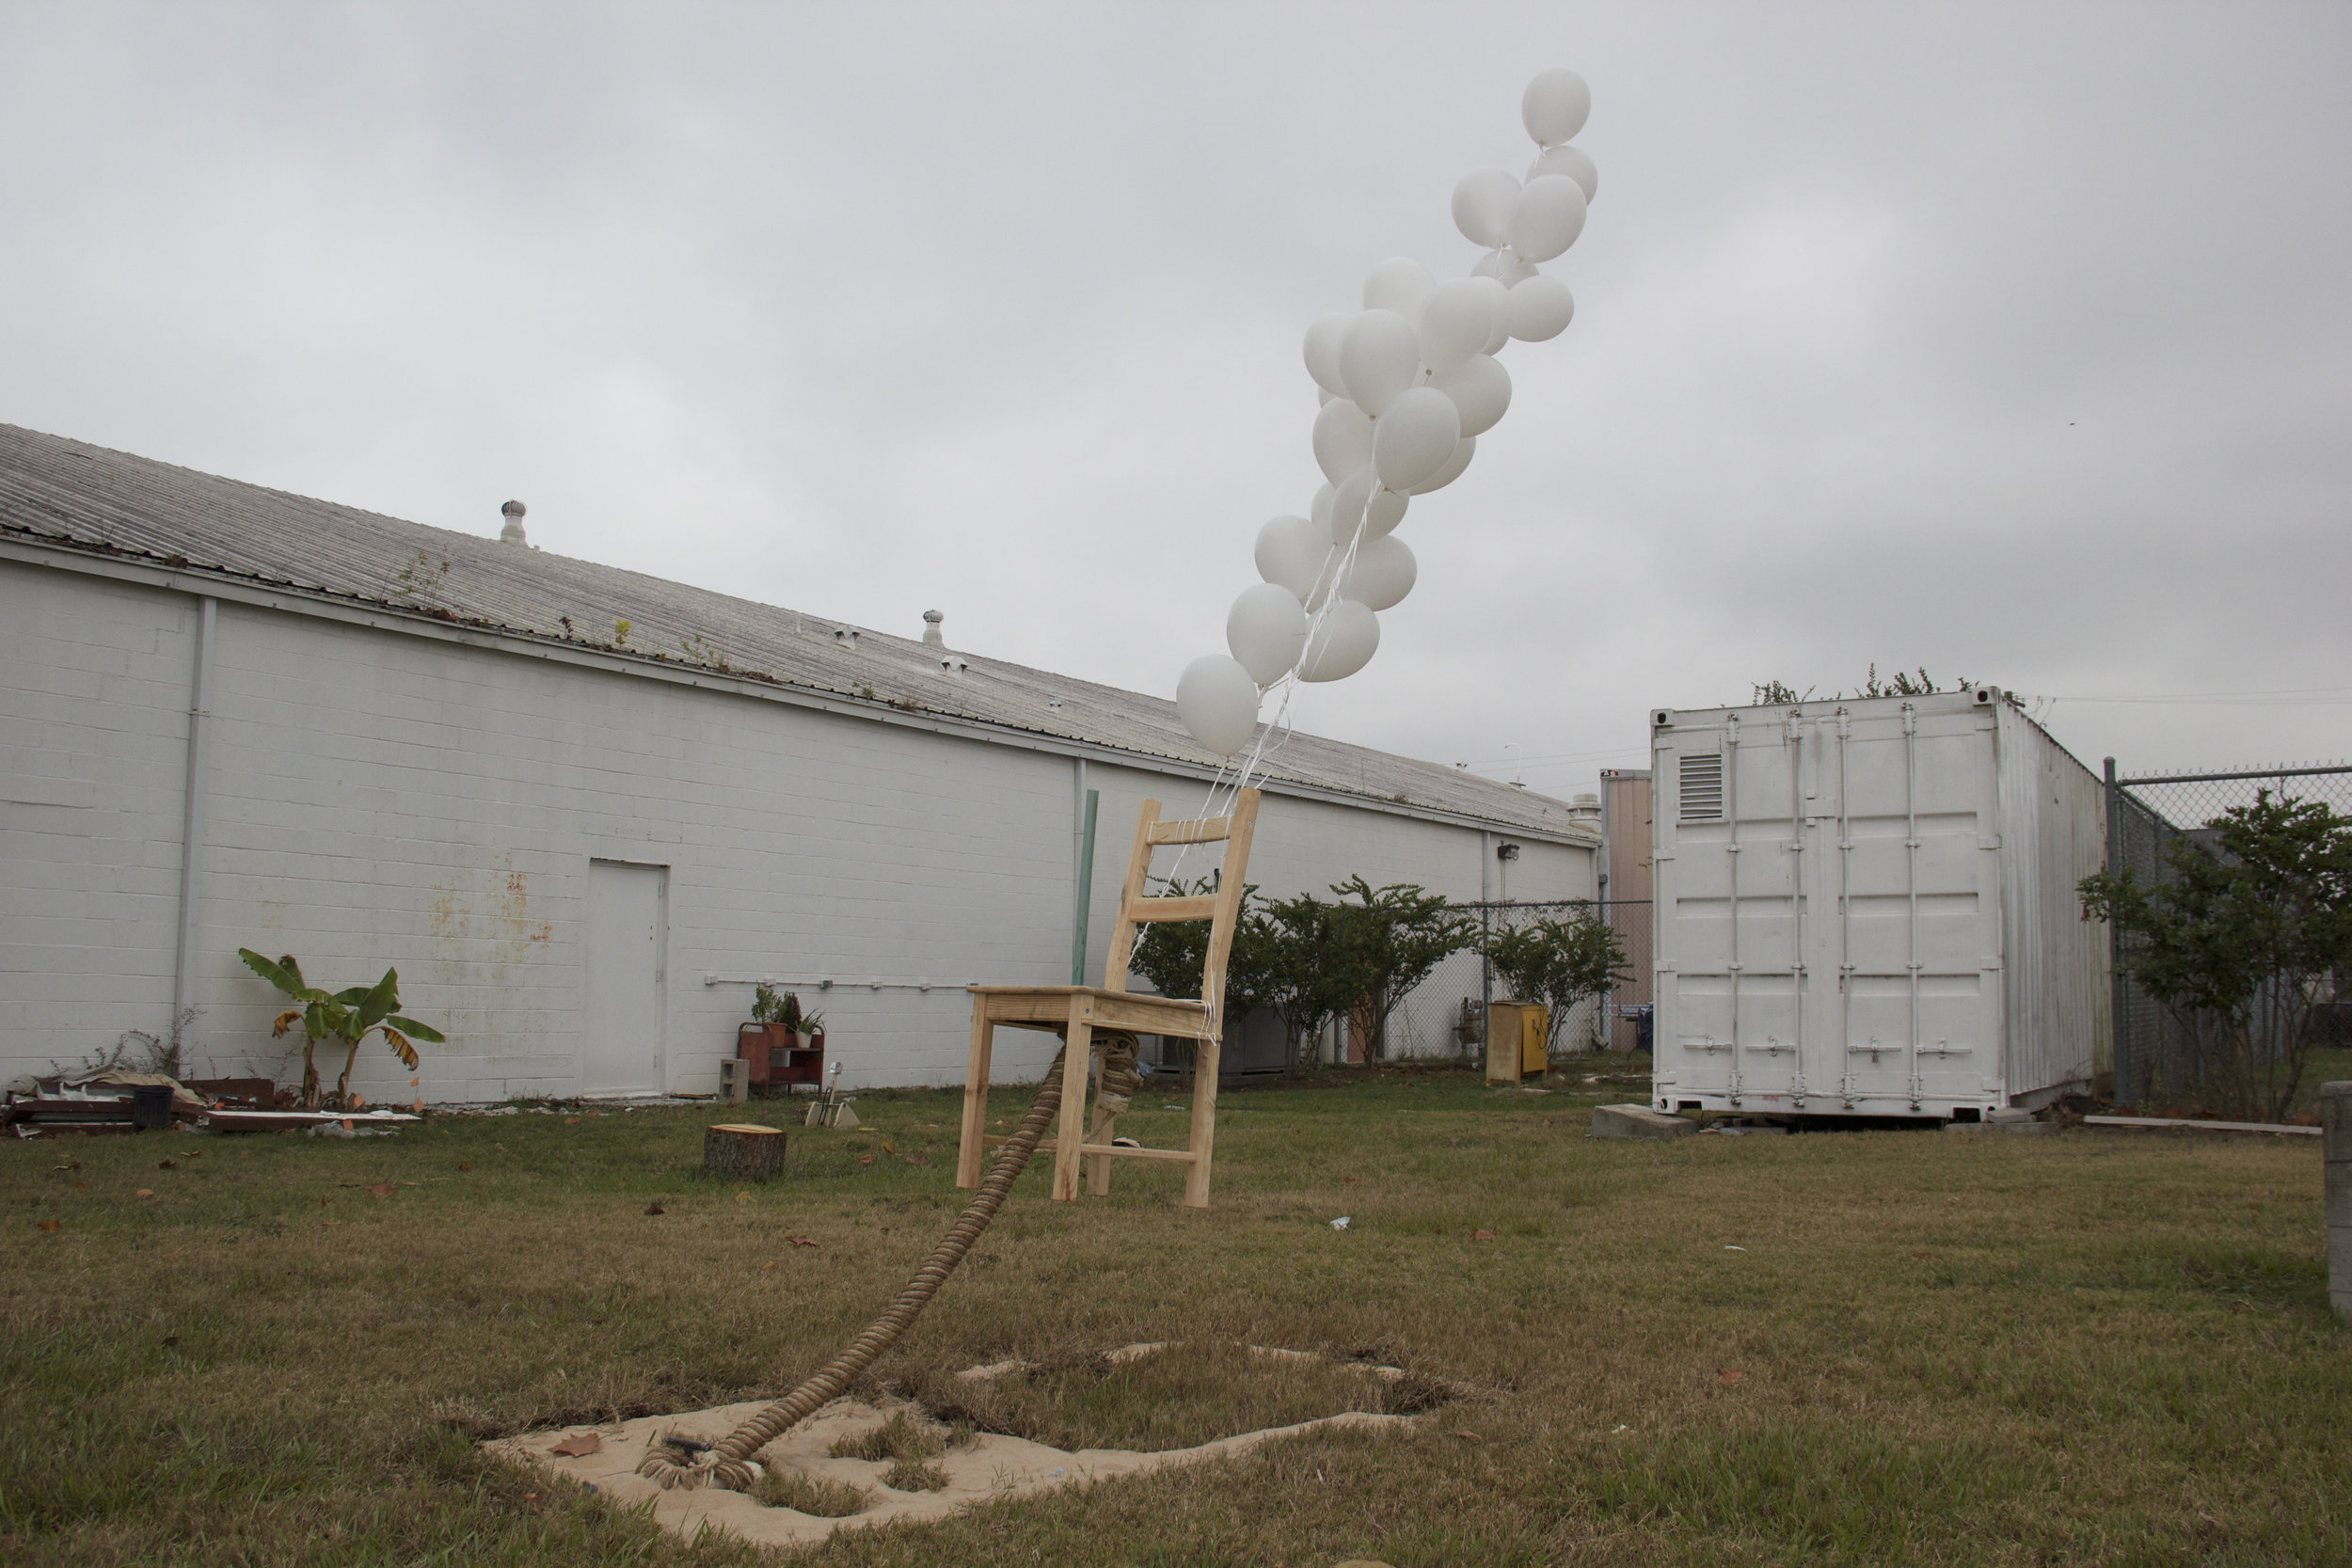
1870 1347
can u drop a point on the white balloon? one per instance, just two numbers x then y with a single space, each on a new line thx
1482 206
1549 216
1382 576
1541 309
1386 511
1455 321
1323 352
1555 106
1380 357
1266 629
1349 501
1570 161
1219 703
1481 391
1414 437
1452 470
1399 284
1291 553
1506 267
1319 510
1499 298
1342 644
1343 439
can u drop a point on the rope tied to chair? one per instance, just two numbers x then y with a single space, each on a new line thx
727 1462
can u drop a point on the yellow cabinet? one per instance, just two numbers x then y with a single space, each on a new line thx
1515 1042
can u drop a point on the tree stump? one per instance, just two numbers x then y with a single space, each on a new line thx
743 1151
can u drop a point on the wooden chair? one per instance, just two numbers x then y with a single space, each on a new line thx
1078 1013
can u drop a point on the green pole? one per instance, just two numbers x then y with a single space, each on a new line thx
1086 893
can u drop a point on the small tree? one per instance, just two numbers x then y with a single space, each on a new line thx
346 1017
2253 916
1384 944
1302 985
1173 954
1557 962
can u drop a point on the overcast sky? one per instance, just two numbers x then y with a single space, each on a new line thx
2011 340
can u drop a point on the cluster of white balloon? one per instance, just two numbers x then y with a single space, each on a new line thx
1408 385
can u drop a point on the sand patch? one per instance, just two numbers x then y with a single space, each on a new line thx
990 1468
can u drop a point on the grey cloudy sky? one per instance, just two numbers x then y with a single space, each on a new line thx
2015 341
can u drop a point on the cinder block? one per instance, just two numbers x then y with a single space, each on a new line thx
1638 1121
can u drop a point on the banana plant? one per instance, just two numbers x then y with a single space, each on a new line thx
347 1017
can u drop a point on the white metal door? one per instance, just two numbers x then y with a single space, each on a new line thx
626 916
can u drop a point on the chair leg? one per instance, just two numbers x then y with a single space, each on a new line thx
1099 1166
1074 1104
1203 1140
971 1159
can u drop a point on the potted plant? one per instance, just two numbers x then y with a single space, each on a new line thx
346 1017
811 1033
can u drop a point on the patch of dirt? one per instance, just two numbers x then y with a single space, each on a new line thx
992 1466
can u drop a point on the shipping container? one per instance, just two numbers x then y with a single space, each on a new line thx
1866 907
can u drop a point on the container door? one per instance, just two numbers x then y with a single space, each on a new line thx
1733 908
1918 926
626 920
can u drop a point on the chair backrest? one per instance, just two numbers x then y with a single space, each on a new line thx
1222 908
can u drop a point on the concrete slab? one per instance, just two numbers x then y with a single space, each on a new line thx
1638 1121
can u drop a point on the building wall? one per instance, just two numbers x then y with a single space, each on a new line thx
378 798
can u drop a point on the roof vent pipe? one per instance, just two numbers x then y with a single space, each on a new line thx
513 532
932 636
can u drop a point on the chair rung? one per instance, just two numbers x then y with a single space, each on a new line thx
1173 1156
1200 829
1201 906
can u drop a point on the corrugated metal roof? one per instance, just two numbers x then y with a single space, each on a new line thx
66 493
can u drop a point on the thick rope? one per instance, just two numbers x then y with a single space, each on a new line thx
725 1463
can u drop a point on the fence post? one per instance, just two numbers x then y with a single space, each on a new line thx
2335 1121
2119 1032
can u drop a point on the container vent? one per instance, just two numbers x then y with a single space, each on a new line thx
1700 787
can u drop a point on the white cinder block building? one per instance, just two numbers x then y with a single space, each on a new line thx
580 809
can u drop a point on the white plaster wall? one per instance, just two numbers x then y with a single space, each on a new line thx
382 798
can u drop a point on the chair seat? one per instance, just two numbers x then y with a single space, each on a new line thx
1049 1008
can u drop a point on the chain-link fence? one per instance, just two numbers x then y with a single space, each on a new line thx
1443 1018
2159 1057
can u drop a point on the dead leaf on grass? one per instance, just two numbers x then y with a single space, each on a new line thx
889 1148
571 1121
917 1160
576 1447
655 1209
166 1165
69 1164
770 1264
866 1159
144 1192
1481 1235
465 1168
49 1225
743 1198
381 1189
1729 1377
1470 1437
799 1240
1347 1180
